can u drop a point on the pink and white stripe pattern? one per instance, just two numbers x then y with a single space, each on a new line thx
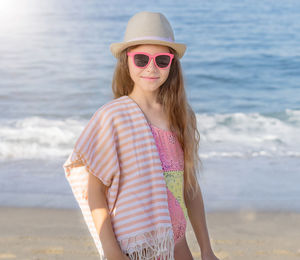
118 147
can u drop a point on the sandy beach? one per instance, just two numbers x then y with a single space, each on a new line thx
36 233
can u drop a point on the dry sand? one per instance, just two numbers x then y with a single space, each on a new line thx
36 233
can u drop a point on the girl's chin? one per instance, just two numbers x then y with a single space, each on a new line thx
152 85
150 88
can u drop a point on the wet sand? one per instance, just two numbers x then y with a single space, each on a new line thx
37 233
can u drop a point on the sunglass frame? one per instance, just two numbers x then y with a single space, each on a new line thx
132 54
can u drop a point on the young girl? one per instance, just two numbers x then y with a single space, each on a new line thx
133 169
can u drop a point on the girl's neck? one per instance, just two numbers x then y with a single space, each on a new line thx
147 101
152 110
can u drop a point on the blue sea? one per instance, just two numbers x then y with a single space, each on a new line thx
242 76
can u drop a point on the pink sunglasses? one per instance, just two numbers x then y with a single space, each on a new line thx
142 59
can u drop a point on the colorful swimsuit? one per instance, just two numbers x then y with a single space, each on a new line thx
171 156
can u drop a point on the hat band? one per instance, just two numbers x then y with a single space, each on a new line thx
151 38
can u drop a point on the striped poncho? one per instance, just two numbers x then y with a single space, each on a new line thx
118 147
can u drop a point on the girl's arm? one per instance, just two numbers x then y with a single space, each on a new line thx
195 208
100 213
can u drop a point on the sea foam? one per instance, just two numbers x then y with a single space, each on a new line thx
222 135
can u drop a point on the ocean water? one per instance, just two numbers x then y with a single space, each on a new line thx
242 75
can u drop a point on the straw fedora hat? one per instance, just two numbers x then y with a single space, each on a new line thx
148 28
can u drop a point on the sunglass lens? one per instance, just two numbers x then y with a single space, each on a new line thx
162 61
141 60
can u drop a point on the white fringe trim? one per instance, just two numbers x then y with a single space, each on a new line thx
153 245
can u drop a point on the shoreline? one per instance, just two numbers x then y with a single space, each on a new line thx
48 233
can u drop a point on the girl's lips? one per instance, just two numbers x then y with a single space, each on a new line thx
150 78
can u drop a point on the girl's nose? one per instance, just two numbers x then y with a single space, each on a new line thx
151 65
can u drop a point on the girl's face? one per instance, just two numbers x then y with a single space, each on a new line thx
149 78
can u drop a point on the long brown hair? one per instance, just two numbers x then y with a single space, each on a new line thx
182 119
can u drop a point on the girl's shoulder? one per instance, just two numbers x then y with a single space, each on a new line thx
112 108
113 103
